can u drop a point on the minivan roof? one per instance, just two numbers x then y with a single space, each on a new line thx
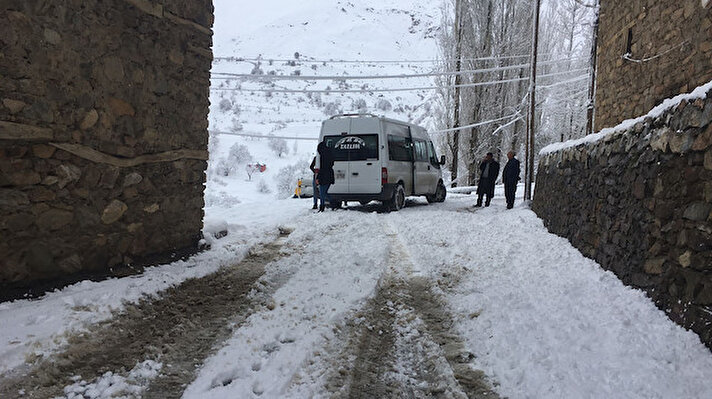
416 131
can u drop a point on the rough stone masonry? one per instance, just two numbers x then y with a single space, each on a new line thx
103 133
669 51
639 202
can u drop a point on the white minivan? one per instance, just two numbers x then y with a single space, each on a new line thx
382 159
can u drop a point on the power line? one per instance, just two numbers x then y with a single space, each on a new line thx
266 59
228 76
481 123
563 82
513 117
261 136
477 84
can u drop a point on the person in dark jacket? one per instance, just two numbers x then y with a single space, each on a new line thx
325 176
315 188
489 170
510 178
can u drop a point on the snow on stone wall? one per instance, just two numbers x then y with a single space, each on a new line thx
103 133
639 202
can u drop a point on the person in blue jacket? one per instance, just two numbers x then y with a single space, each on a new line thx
325 176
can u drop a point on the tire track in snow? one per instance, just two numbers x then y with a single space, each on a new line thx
406 347
179 329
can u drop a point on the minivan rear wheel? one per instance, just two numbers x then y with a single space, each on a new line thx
397 202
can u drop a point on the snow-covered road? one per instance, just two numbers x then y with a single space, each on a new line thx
434 300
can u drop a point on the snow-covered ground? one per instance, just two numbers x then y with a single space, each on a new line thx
541 320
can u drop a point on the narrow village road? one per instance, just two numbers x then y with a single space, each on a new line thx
441 300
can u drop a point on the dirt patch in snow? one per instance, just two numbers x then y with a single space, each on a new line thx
369 355
439 325
402 344
180 329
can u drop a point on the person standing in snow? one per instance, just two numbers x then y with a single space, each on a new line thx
510 178
325 175
315 188
489 170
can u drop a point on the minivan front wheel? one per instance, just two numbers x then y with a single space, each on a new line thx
440 193
397 202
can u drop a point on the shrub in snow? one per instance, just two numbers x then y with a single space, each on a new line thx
279 125
384 105
278 146
220 198
257 70
359 105
236 126
332 108
225 105
315 99
296 55
221 168
263 187
288 175
239 154
297 72
213 142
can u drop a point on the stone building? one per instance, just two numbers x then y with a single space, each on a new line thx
103 134
639 199
650 50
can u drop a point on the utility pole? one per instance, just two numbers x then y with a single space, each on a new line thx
594 61
529 168
458 80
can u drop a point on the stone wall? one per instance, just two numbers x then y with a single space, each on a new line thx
679 31
103 133
639 202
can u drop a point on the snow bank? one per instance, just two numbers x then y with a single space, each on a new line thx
699 92
543 320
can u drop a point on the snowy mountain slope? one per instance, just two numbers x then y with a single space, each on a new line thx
390 29
279 37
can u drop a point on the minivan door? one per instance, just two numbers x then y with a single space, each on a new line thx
332 131
364 166
425 182
361 151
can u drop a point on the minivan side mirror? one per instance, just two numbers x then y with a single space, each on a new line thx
442 159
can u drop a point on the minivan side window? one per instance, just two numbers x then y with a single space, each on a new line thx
400 148
433 156
421 151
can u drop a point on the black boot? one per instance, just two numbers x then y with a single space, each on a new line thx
314 207
321 208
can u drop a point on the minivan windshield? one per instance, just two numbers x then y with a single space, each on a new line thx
353 147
